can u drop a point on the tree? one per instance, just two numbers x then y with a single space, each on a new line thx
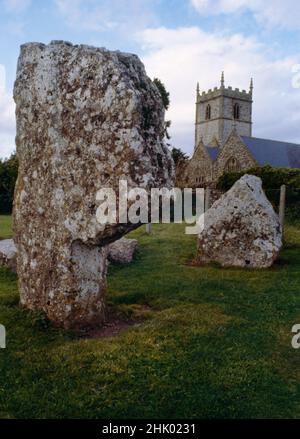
178 155
165 95
8 177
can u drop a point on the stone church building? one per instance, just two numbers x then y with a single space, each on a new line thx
224 142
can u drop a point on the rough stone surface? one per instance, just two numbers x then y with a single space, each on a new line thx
8 254
241 228
122 251
86 117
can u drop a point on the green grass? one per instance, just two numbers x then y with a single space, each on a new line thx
5 227
216 343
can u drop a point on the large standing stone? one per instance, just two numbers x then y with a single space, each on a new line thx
86 117
241 228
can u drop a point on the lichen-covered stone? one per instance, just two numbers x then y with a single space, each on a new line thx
8 254
241 228
122 251
86 117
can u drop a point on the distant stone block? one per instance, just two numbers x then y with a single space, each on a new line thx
122 251
8 254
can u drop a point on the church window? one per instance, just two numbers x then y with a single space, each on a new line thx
236 111
200 179
208 112
232 165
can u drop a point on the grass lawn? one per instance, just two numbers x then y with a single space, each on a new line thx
5 227
215 343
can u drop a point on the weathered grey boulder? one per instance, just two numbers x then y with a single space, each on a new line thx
8 254
122 251
86 117
241 228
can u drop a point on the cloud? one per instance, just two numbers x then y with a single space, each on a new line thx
16 6
275 13
220 6
99 16
7 118
181 57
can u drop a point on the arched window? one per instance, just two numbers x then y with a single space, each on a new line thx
208 112
232 165
200 179
236 111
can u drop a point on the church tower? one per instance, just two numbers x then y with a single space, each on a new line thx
219 110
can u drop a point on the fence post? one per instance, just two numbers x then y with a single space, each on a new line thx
207 199
149 228
282 205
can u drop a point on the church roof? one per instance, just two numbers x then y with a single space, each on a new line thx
213 151
273 152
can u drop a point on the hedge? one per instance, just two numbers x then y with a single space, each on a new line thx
272 179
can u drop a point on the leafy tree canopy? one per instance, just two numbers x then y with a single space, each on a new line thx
178 155
8 177
165 95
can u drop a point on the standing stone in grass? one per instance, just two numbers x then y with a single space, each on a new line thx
86 117
241 228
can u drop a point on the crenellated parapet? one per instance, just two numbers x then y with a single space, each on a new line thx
221 109
216 92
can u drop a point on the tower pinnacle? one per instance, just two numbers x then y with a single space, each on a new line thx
251 86
222 80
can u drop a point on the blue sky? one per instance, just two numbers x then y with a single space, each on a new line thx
181 42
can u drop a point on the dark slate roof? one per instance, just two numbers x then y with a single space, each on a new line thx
213 151
273 152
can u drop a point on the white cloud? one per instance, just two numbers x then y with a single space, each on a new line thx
181 57
16 6
98 16
220 6
7 118
285 14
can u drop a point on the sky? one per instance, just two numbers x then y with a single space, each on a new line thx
182 42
